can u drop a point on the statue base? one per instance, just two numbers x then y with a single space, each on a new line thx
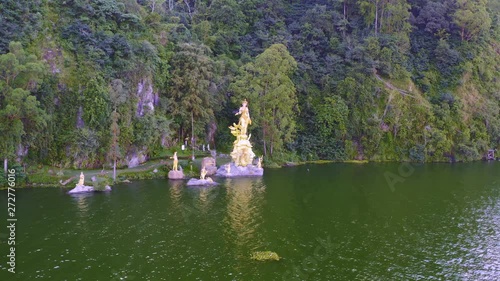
242 152
200 182
175 175
85 189
239 171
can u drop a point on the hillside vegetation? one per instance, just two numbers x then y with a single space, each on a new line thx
85 82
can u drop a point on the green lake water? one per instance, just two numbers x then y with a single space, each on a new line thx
327 222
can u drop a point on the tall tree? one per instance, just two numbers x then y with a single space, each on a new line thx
192 76
370 11
395 17
19 20
118 95
435 17
114 151
21 118
96 104
267 85
472 18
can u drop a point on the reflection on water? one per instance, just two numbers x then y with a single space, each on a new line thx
245 200
175 193
81 202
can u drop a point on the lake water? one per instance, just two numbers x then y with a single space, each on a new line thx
327 222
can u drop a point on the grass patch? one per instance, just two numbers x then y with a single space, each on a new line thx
143 175
356 161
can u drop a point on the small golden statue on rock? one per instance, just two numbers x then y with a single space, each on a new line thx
203 181
176 161
175 173
203 173
82 179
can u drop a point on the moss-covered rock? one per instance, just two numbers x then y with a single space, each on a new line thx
265 256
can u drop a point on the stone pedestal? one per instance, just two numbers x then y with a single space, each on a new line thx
200 182
242 151
85 188
239 171
175 175
209 164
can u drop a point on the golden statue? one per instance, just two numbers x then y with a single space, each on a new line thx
203 173
176 161
242 151
82 179
259 164
244 118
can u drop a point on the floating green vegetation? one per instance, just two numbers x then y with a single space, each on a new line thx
265 256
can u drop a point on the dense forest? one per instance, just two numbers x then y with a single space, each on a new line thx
83 82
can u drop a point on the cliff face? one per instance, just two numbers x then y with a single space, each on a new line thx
147 99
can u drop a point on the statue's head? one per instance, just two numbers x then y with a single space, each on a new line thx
245 102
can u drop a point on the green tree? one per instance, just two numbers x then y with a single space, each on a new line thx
96 107
19 20
192 76
332 118
396 16
21 117
227 19
114 151
472 18
150 130
362 125
267 85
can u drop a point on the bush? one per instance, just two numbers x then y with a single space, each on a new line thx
102 182
21 178
417 153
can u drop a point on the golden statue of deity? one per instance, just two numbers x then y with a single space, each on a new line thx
242 151
244 118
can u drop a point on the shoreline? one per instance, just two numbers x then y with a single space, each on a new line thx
158 169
